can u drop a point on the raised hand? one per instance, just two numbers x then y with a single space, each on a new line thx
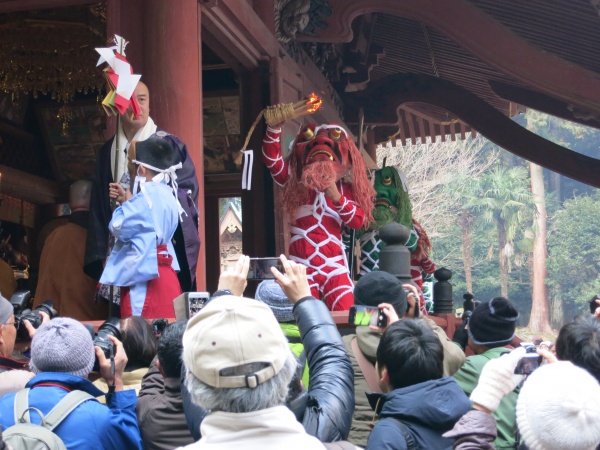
236 279
294 283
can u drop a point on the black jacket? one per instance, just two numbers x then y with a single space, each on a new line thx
326 409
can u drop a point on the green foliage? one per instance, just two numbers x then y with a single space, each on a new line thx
574 253
505 199
486 278
501 197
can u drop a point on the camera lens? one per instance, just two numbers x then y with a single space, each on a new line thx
111 327
34 317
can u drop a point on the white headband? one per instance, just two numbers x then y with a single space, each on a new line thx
170 178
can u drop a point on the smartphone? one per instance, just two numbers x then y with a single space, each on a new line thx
528 364
367 315
260 268
196 301
189 304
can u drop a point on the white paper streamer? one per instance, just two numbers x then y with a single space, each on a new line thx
247 173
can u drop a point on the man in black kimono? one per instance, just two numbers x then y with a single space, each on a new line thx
186 240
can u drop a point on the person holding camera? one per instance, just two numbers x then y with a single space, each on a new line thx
380 289
324 411
419 403
160 406
491 329
62 356
14 374
139 343
558 406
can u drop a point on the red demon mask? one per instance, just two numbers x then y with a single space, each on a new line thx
322 143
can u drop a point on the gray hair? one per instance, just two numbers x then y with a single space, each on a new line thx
272 392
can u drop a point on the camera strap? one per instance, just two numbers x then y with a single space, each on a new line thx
367 369
111 387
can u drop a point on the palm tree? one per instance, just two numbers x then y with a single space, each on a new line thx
505 201
462 192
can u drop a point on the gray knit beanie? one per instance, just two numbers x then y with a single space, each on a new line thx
62 345
270 293
6 310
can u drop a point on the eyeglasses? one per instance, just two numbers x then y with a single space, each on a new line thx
16 324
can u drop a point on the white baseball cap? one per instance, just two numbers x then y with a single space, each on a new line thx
230 332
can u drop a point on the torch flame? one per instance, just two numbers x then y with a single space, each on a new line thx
315 102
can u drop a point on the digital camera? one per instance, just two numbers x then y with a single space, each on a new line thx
528 363
111 327
34 317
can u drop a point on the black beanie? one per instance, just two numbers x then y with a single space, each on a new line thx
378 287
492 324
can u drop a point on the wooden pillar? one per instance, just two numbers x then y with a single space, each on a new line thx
371 147
165 47
172 62
259 224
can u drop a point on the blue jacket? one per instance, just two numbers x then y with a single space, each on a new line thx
428 409
139 227
91 426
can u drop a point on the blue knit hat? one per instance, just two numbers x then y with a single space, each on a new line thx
62 345
270 293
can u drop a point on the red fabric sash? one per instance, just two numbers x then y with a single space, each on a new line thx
160 293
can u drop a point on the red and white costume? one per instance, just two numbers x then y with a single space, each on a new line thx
316 231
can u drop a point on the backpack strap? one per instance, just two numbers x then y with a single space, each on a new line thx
408 437
63 408
340 445
21 408
367 369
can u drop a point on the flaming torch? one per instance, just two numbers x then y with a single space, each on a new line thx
274 116
285 111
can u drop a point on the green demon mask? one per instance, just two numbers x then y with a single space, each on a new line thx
392 203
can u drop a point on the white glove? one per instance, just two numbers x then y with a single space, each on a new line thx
497 379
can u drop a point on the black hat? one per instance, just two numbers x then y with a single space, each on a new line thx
492 324
155 152
380 287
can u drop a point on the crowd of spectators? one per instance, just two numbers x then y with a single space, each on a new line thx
274 372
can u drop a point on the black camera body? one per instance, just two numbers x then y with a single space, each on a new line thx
466 316
110 327
159 326
34 317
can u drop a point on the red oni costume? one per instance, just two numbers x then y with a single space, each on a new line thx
316 229
420 262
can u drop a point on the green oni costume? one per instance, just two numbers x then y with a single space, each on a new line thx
393 205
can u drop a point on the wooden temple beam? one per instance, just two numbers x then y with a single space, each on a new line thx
541 102
30 188
32 5
480 34
399 89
